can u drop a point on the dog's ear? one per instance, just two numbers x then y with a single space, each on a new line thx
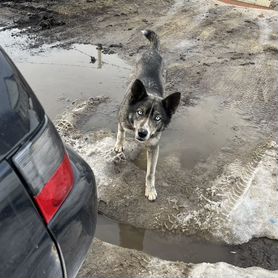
171 103
138 91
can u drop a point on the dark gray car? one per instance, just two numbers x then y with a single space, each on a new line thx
47 192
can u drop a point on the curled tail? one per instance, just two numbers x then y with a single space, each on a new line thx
153 38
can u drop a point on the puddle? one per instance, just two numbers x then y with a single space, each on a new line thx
58 76
255 4
257 252
198 132
201 131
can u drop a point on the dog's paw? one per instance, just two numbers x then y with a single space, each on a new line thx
119 158
150 193
118 148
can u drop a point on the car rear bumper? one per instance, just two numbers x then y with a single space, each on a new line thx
73 226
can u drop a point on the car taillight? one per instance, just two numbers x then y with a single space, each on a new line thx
45 166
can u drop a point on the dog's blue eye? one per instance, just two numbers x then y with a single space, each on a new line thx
157 118
140 112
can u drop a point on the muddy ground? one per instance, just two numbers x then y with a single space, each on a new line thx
121 262
224 61
217 172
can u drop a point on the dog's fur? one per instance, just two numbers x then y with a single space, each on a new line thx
144 110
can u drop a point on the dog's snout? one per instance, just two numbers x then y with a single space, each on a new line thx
142 133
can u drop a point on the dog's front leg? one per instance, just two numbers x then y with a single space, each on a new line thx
152 156
119 146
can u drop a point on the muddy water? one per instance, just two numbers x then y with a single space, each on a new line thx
199 132
60 75
257 252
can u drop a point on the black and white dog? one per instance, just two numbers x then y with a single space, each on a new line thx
145 111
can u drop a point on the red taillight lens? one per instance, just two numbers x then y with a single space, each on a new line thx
56 190
46 168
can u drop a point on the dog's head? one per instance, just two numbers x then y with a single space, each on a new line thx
148 114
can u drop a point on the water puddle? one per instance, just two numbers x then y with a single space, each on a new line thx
59 76
257 252
198 132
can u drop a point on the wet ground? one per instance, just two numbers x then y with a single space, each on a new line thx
217 171
257 252
61 75
122 262
70 74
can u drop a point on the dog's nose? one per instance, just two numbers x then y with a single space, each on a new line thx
142 133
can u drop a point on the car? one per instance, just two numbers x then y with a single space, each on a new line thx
48 199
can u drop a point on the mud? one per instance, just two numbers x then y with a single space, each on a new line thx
204 129
217 172
223 62
120 262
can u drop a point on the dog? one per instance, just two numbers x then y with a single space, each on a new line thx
144 110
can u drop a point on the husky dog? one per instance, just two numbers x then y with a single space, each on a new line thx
145 111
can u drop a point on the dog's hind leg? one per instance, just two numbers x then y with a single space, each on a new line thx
152 156
119 146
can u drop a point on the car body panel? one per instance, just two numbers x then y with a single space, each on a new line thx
27 249
74 224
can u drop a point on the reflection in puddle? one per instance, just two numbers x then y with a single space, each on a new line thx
99 58
257 252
